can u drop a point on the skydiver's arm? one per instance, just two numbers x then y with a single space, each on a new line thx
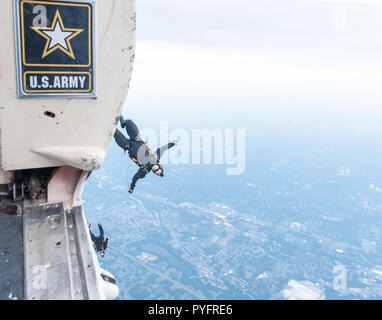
105 243
139 175
164 148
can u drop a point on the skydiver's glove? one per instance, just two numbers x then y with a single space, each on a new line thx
131 190
175 142
89 225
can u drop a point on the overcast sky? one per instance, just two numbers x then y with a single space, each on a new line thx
217 54
259 23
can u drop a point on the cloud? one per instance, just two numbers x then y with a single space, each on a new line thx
170 70
224 57
304 290
373 187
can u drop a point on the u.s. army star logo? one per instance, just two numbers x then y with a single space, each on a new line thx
56 48
58 37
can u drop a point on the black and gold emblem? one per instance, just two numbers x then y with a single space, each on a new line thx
56 48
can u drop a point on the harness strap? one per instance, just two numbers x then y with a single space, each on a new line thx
140 165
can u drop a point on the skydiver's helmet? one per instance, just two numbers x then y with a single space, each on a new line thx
102 253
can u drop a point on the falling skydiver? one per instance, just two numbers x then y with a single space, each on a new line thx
100 244
139 152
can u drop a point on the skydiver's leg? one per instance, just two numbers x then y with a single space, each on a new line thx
101 233
121 140
132 130
92 235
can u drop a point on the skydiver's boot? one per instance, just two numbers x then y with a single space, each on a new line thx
123 122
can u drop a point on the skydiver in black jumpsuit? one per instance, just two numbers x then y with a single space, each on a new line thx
100 244
139 152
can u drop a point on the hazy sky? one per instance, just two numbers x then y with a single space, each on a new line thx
260 23
224 58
